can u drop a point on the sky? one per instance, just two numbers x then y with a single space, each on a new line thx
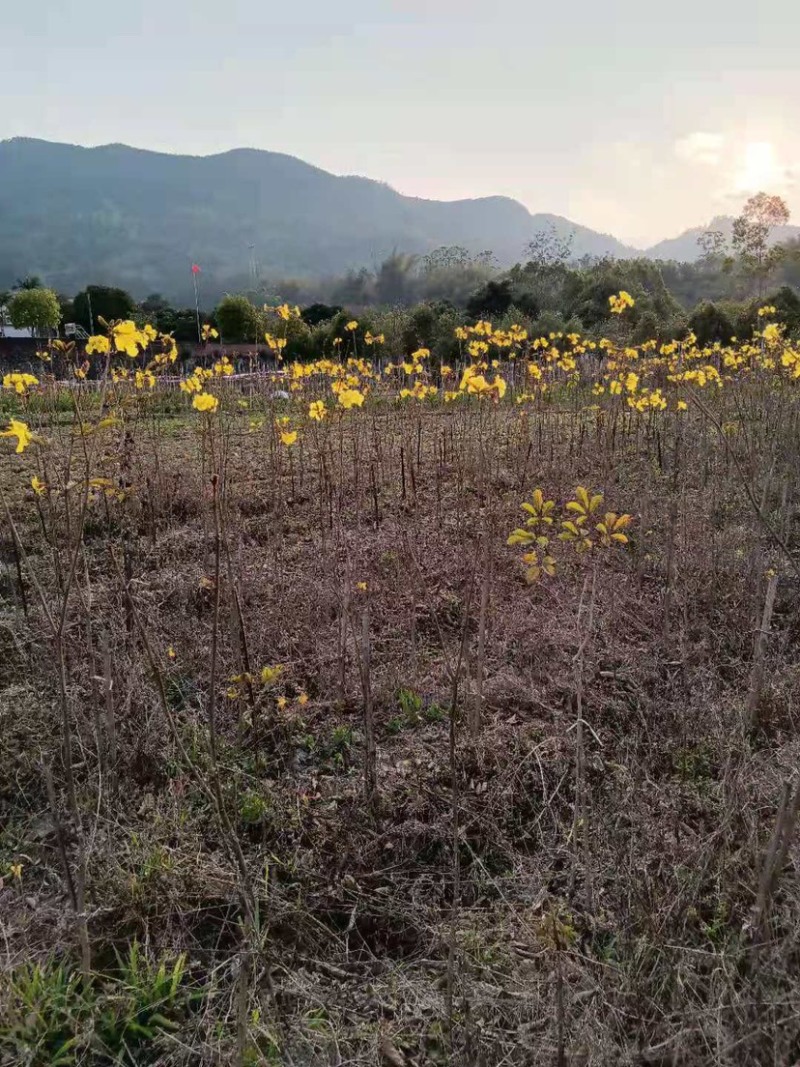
635 119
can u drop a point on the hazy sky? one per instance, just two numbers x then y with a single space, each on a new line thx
635 118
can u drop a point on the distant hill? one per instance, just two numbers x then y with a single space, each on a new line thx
123 216
685 248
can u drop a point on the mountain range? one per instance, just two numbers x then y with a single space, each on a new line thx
138 219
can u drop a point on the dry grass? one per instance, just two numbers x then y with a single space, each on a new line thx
638 948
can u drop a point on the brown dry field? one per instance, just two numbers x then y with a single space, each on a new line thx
654 929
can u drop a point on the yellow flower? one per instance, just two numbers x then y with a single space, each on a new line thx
38 485
19 382
288 437
209 333
351 326
477 349
584 504
620 302
351 398
302 700
98 345
522 536
316 410
682 405
21 432
145 379
171 652
362 586
536 567
771 333
223 368
610 529
270 675
282 702
571 531
205 402
539 509
15 871
192 384
129 339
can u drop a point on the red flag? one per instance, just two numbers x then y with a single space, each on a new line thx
195 269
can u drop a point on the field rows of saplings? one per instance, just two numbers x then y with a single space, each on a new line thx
386 712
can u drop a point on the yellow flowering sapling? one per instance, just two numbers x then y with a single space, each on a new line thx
580 526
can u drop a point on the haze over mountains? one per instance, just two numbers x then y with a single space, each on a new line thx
123 216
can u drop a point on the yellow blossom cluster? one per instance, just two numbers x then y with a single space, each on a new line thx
620 302
19 382
581 525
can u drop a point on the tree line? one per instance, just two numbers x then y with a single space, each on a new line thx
716 297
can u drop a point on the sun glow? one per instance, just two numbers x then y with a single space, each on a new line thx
760 169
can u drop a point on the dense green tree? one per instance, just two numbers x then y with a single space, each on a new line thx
710 323
693 283
491 300
787 311
787 305
314 314
238 320
97 302
394 281
422 326
788 271
550 322
155 303
30 281
35 309
67 308
181 323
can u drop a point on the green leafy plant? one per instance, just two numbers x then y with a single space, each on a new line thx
45 1012
253 808
145 1000
414 711
410 705
338 747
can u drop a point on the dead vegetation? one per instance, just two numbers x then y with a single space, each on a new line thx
378 855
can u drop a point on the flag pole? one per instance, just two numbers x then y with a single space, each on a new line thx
195 272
